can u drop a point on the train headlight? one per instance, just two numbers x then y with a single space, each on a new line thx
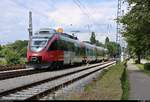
35 59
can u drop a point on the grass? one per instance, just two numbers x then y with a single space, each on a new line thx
107 86
141 67
125 85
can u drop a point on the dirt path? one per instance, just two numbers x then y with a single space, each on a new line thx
139 83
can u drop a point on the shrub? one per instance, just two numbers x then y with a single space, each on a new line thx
148 57
2 62
125 63
23 61
147 66
12 57
136 61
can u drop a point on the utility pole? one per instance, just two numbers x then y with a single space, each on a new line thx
30 25
118 35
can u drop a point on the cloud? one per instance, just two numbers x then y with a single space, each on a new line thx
100 15
52 13
66 16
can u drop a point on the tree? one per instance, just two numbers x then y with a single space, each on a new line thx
1 51
99 44
0 47
113 48
93 38
106 40
136 26
14 51
20 47
12 57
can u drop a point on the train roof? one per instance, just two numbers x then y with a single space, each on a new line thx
88 44
43 31
46 36
49 31
69 36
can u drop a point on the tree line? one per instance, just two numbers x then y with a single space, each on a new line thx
110 45
136 29
14 53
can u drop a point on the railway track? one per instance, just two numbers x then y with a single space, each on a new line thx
17 73
41 88
21 72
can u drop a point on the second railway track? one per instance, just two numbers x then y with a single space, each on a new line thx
17 73
22 72
40 88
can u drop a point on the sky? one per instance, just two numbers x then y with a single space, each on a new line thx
71 15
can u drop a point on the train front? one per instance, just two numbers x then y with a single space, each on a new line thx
37 55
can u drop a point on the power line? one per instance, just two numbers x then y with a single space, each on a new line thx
78 3
84 9
90 16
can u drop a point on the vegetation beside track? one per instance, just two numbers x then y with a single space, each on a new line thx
141 67
111 84
13 53
125 83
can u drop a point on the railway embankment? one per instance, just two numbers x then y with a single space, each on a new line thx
111 84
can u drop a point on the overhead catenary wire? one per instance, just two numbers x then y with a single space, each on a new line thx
86 12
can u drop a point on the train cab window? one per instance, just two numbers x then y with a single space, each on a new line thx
38 45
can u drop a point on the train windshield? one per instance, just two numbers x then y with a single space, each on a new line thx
38 44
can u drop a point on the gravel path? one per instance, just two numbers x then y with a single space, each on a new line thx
139 83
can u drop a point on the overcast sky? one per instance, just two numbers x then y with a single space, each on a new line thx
68 14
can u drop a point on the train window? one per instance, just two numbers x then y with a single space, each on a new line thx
76 49
64 45
59 45
88 51
44 32
39 42
70 46
53 46
82 51
38 45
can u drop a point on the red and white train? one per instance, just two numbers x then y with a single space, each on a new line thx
49 48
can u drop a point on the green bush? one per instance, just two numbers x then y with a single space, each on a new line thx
148 57
2 62
147 66
136 61
23 61
12 57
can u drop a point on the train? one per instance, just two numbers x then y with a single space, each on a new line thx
49 48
